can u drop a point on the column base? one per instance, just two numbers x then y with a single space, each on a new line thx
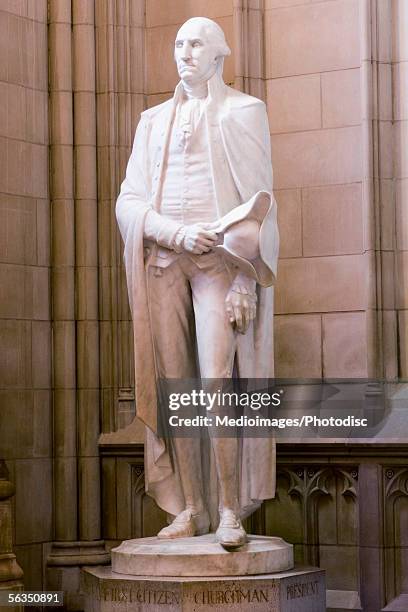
64 568
78 553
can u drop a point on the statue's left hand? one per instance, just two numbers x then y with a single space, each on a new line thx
240 307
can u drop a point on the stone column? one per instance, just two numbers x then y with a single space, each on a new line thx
63 272
75 296
120 36
86 234
379 184
10 572
249 50
400 126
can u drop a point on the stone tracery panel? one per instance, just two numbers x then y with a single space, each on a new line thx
396 534
316 508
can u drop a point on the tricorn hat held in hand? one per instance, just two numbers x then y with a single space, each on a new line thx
245 235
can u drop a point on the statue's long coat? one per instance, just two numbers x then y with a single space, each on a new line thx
238 136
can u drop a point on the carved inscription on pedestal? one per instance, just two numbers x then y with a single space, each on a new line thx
302 589
199 596
292 591
234 596
154 596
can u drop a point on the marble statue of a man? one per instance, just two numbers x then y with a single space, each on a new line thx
196 158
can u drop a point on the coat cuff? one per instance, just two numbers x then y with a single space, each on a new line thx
161 230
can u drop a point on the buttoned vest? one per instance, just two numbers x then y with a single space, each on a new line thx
188 195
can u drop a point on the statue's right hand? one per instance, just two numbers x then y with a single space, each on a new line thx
199 238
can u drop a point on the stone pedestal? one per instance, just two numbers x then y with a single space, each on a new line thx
297 590
201 556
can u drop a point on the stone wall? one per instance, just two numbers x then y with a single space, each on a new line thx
325 296
25 328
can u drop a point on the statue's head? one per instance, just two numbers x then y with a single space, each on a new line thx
199 50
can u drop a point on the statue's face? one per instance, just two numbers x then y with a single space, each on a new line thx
195 54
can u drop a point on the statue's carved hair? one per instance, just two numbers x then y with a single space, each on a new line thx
214 32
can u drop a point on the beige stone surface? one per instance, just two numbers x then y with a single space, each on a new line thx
298 341
32 476
25 421
400 82
178 12
85 166
384 101
61 185
36 116
89 489
64 354
61 107
154 99
401 148
17 230
324 284
289 222
42 422
270 4
402 214
30 558
65 470
319 157
341 98
63 251
15 356
87 334
314 31
402 279
333 220
388 271
60 70
37 10
16 423
388 213
400 30
403 343
63 283
87 286
387 149
382 49
41 359
293 103
65 437
390 343
84 129
345 345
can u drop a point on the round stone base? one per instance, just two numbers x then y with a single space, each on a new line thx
201 556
